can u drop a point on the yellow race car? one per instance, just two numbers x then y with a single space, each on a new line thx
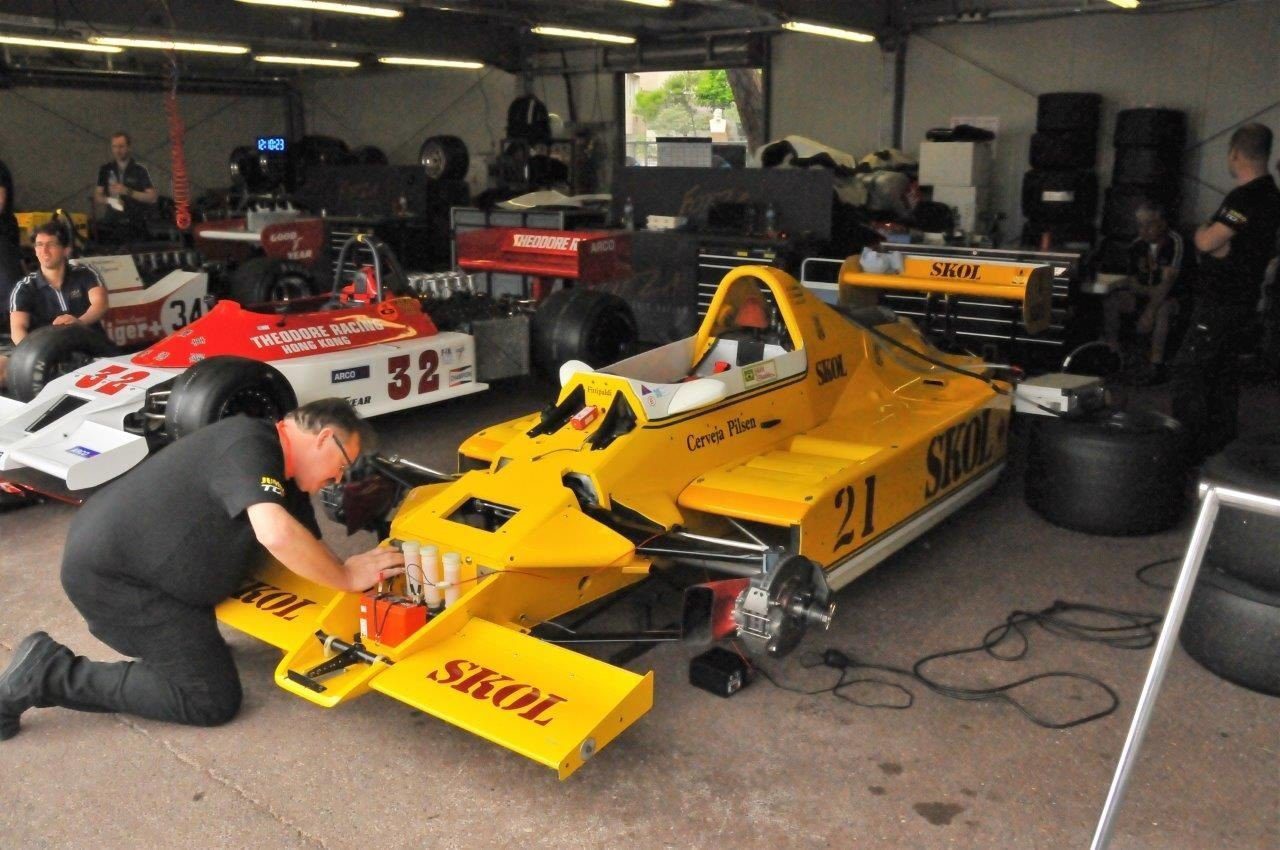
788 446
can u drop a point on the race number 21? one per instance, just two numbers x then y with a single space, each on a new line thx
844 500
402 383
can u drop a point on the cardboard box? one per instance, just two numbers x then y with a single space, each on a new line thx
955 163
971 203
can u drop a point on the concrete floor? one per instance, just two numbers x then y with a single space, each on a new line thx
767 768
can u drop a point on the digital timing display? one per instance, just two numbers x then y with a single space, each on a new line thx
271 144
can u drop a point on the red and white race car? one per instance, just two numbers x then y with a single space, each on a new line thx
83 421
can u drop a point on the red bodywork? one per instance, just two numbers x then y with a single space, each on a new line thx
230 329
587 256
300 241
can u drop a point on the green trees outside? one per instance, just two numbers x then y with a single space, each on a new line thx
685 103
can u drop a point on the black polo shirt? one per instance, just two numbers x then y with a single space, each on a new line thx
1148 260
8 220
34 295
135 176
173 532
1252 211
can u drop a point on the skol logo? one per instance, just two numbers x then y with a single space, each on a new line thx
955 453
273 600
830 369
958 271
504 692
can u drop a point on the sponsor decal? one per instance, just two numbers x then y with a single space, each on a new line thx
461 375
955 271
162 356
817 326
544 242
271 485
719 433
81 451
601 246
759 374
196 358
316 337
487 685
353 373
198 341
275 601
357 401
830 368
957 452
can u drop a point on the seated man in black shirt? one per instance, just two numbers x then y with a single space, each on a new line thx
148 558
57 293
1153 289
1236 245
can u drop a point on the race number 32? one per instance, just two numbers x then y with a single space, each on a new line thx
99 384
402 383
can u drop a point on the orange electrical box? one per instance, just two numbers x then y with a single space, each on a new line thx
388 620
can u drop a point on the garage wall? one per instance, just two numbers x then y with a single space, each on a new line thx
834 92
1219 65
54 139
397 110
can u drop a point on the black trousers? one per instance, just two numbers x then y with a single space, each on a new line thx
183 672
1206 374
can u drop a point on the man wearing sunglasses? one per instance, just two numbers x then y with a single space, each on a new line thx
148 557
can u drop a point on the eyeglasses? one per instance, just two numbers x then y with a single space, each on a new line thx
346 467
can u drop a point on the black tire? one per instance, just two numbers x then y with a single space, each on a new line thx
51 352
1162 128
1122 204
219 387
444 158
1064 150
1244 544
1059 232
595 327
1060 196
1111 473
1068 111
1233 630
262 280
1147 165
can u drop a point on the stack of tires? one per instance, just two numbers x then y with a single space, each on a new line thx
1232 624
1060 192
1148 166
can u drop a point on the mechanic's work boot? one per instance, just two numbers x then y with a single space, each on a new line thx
22 680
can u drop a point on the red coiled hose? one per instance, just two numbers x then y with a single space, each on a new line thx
178 153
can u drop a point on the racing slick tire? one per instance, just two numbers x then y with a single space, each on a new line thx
1233 629
1164 128
1145 165
51 352
1244 544
595 327
1064 150
1068 110
219 387
1060 196
1109 473
265 279
444 158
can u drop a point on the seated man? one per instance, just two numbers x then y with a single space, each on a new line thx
1154 287
57 293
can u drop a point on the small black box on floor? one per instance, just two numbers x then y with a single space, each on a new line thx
719 671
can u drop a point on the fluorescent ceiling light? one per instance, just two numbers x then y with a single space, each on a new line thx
57 43
323 6
308 60
566 32
657 4
430 63
830 32
1125 4
164 44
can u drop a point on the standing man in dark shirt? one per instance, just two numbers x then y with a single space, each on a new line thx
10 263
57 293
148 558
1236 245
124 195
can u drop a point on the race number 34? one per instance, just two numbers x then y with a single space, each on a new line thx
845 498
99 384
402 383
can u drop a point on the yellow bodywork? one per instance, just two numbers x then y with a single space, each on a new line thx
830 441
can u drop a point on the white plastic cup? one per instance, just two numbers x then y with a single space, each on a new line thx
412 568
431 576
452 574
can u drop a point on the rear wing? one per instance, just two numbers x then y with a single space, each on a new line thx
1032 285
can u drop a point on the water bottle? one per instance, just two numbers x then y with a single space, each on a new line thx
771 220
629 215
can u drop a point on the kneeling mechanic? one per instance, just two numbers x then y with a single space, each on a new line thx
148 557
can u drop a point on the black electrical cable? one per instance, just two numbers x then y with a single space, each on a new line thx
1127 630
1140 573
